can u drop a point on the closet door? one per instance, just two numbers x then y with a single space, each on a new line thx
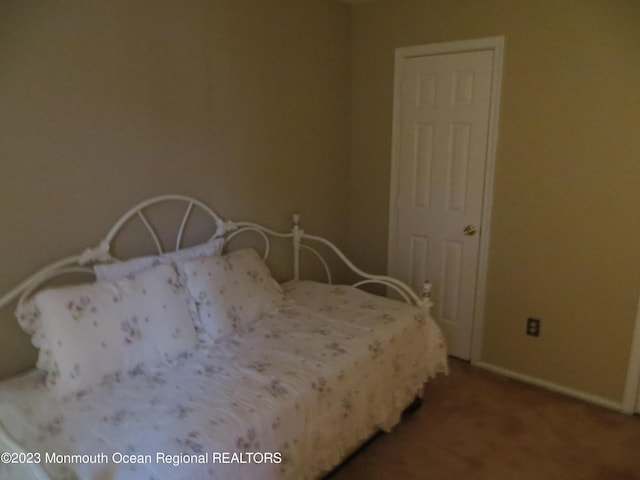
442 125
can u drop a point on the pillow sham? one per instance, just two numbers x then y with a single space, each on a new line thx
231 291
94 330
28 317
110 272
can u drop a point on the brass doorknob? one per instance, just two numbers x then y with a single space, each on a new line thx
470 230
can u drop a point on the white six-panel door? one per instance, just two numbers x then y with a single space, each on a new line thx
441 139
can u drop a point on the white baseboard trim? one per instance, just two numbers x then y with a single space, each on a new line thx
554 387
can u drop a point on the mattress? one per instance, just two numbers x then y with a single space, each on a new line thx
286 399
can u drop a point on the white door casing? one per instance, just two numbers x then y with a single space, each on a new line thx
637 409
445 129
631 395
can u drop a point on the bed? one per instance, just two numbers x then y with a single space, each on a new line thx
196 364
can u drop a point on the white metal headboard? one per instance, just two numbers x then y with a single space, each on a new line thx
226 229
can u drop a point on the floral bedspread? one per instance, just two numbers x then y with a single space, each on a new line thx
286 399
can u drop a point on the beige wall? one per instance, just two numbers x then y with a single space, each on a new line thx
243 104
565 238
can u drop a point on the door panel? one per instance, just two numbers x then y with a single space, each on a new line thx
443 136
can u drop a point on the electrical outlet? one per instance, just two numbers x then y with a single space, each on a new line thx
533 327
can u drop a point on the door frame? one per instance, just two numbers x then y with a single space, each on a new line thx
496 44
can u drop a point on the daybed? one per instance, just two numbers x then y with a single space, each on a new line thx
198 365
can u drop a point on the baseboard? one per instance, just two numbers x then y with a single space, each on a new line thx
554 387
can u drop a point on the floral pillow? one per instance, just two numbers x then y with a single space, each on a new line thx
116 271
231 291
28 317
100 329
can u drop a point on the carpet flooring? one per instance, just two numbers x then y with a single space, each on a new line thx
475 425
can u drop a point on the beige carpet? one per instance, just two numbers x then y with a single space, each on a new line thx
477 425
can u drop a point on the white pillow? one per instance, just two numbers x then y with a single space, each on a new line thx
94 330
231 291
115 271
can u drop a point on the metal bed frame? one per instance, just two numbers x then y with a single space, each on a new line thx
226 229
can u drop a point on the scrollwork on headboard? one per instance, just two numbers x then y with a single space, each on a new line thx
138 211
101 253
226 229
